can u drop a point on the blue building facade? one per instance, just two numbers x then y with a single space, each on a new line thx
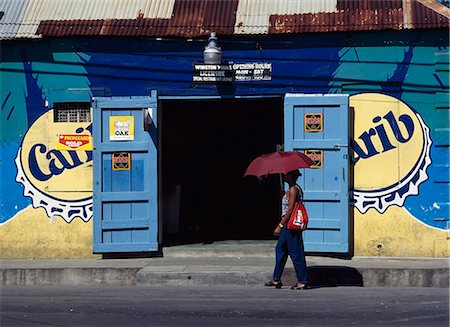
399 157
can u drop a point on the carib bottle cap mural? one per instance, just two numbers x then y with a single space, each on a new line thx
391 151
54 164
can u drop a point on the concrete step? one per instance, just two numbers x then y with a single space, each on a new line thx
224 249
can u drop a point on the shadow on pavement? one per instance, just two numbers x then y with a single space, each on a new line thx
332 276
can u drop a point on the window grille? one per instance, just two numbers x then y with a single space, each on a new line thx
72 112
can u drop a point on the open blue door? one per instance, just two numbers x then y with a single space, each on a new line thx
125 174
318 126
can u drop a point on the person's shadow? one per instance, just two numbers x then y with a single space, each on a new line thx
329 276
333 276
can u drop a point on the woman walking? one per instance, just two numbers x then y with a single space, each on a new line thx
290 242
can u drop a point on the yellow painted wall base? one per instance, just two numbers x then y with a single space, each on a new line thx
31 234
396 233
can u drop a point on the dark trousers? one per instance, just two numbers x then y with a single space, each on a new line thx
290 243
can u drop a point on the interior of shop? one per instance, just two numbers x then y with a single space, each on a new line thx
205 147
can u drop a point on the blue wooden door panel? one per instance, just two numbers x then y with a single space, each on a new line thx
325 189
125 201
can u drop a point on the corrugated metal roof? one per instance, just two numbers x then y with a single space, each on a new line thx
191 18
22 17
365 15
252 16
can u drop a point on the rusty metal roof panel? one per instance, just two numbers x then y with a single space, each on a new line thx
188 18
252 16
365 15
423 15
22 18
192 18
346 20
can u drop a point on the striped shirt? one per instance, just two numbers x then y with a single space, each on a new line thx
285 200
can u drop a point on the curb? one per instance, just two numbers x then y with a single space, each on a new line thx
227 263
320 276
202 279
69 276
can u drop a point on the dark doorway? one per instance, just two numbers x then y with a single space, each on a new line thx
205 147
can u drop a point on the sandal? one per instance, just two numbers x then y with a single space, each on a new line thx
299 287
276 284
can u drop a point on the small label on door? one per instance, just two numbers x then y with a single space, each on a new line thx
121 161
121 128
316 156
313 122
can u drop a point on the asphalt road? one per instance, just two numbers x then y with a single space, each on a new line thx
224 306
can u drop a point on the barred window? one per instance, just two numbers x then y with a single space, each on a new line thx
72 112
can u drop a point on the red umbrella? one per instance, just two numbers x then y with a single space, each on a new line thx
278 162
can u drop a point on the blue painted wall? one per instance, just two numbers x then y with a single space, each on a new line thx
410 66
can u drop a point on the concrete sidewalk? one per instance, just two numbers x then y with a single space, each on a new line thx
245 263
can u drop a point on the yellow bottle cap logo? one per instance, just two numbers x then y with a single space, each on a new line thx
391 145
54 164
